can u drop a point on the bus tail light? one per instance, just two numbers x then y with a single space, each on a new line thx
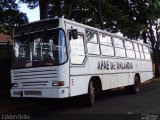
58 83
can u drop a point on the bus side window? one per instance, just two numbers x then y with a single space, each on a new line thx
137 50
77 50
92 42
106 45
91 36
141 51
146 53
119 47
129 49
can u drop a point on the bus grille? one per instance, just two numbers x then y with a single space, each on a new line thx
34 75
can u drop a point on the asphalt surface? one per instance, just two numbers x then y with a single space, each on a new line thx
113 104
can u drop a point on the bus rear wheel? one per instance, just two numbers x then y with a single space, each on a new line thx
135 88
90 97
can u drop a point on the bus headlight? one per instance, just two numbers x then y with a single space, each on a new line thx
58 83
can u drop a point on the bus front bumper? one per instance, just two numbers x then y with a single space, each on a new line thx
40 93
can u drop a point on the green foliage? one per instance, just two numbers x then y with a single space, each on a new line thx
31 3
10 16
126 16
129 17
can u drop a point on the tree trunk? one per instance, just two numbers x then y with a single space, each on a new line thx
157 52
157 63
43 7
155 49
100 14
68 10
144 37
59 8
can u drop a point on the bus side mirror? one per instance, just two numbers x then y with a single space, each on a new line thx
73 34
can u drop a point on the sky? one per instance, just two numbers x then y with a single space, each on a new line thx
32 14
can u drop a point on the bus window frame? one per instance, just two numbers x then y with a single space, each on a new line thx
146 52
85 51
119 47
101 44
137 44
130 49
140 45
97 43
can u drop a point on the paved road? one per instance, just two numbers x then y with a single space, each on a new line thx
111 103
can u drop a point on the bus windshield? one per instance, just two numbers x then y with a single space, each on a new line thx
45 48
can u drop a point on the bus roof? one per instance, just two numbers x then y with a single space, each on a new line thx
81 25
102 31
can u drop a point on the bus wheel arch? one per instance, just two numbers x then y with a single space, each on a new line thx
94 89
137 83
135 88
97 84
138 75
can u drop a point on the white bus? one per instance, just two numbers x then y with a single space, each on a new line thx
59 58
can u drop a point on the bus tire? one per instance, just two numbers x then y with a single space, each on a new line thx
135 88
90 96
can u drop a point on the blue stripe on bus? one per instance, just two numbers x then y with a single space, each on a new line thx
61 44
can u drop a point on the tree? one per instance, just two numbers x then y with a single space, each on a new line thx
140 20
135 19
10 16
153 33
43 6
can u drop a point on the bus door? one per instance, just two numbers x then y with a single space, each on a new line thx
77 57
